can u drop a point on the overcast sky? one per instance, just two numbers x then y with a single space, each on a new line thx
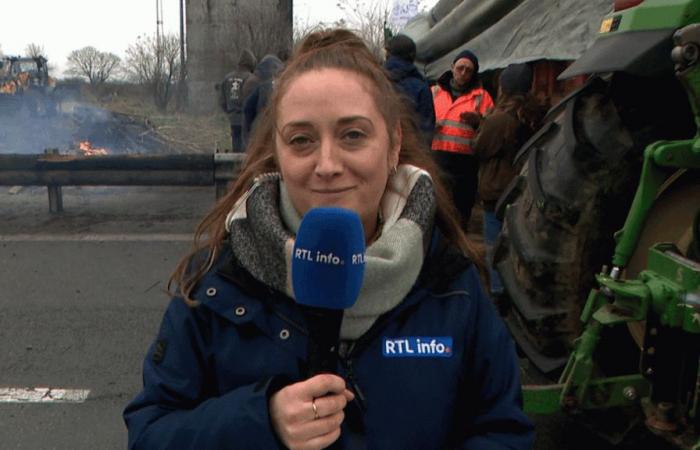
61 26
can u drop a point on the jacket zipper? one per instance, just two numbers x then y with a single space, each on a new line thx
347 357
347 363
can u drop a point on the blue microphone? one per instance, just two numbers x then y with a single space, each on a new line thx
328 265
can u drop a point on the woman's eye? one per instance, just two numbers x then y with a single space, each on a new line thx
299 140
354 135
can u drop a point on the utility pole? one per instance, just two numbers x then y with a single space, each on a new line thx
159 22
182 85
182 39
290 18
290 23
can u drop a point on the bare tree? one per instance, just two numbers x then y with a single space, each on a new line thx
266 33
155 62
368 18
371 20
90 63
302 28
35 50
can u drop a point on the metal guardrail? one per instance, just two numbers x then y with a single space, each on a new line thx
54 170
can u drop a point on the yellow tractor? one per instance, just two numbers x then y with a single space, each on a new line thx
26 87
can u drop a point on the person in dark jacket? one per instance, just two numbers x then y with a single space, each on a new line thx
401 52
513 121
232 96
260 91
460 101
425 362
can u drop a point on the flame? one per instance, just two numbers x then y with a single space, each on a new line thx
88 150
8 88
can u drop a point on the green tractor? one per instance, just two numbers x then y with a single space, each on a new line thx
600 247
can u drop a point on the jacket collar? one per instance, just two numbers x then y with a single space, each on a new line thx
446 78
400 68
232 293
443 263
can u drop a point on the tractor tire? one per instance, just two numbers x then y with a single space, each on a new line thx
674 218
579 176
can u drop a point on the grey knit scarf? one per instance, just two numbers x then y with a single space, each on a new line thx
263 223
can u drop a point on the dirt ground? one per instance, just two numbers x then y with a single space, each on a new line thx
199 133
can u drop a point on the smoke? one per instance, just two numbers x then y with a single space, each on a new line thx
65 123
21 133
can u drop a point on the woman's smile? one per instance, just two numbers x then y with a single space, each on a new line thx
331 190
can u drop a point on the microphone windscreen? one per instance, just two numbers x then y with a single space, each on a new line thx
328 260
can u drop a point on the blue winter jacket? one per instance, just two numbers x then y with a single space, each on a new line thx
411 83
266 70
211 370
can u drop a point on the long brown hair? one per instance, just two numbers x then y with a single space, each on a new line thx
336 49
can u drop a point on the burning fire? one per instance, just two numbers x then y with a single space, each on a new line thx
8 88
13 86
88 150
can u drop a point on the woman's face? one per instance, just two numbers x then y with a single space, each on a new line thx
333 145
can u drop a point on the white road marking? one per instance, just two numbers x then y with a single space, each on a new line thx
157 237
43 395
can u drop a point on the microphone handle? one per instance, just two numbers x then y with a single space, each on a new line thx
324 330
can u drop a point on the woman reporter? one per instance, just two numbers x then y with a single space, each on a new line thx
226 370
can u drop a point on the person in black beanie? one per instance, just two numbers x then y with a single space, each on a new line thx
516 79
514 119
460 101
401 52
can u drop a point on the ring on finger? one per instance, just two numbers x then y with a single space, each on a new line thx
313 406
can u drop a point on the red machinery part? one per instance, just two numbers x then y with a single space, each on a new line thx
626 4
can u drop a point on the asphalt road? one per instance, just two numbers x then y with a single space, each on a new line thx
80 301
80 295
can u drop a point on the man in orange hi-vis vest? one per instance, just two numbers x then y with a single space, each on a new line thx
460 103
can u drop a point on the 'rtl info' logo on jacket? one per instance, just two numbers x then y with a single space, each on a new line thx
417 347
